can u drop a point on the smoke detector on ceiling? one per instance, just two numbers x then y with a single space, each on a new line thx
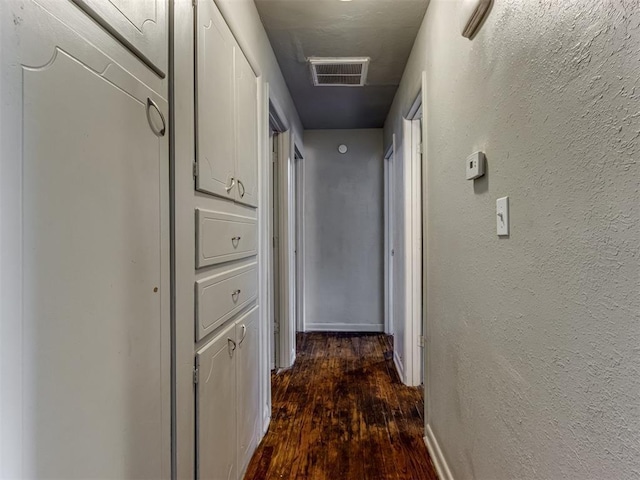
339 71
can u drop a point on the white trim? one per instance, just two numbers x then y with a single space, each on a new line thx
344 327
299 245
442 467
264 250
389 222
286 158
426 351
397 361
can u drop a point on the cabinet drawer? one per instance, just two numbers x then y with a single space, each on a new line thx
222 237
221 296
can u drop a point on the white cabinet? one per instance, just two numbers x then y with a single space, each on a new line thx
248 379
141 25
227 400
216 408
215 48
222 236
246 132
223 295
227 112
92 198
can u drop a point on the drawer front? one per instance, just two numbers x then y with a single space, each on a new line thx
221 296
222 237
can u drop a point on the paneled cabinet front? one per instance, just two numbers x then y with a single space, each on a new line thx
227 112
92 162
246 132
221 237
215 50
248 380
140 25
221 296
216 400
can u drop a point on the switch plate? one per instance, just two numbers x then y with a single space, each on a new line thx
502 216
475 165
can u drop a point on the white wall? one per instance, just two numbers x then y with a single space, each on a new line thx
533 357
344 234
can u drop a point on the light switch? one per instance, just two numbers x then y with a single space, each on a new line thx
502 215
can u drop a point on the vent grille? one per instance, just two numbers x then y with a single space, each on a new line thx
343 72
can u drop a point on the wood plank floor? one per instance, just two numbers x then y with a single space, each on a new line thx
341 413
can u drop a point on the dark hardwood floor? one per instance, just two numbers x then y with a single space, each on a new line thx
341 413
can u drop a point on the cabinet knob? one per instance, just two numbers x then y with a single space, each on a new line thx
157 130
244 334
232 346
231 184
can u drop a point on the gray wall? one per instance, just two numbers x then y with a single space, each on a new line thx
343 228
533 353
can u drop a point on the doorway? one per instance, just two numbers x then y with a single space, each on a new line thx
286 260
412 341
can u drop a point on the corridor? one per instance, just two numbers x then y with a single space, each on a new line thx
341 412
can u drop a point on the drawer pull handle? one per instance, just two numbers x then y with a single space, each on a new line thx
157 130
240 184
235 241
232 346
235 295
230 186
244 334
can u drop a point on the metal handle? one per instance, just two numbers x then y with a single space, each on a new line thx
244 334
235 240
158 132
240 184
235 294
232 346
230 186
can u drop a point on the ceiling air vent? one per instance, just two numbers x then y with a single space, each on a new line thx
339 72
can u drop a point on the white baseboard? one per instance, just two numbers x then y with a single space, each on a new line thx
444 473
343 327
399 366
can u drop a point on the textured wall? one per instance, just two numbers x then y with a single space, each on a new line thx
344 240
533 355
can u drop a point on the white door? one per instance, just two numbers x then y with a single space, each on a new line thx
246 131
140 25
93 201
248 379
215 129
216 408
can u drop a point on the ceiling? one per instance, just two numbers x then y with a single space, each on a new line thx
383 30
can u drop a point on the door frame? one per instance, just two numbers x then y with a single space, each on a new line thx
389 226
288 148
413 135
299 237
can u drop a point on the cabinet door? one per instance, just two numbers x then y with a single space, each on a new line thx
216 408
248 377
141 25
215 129
247 132
94 237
